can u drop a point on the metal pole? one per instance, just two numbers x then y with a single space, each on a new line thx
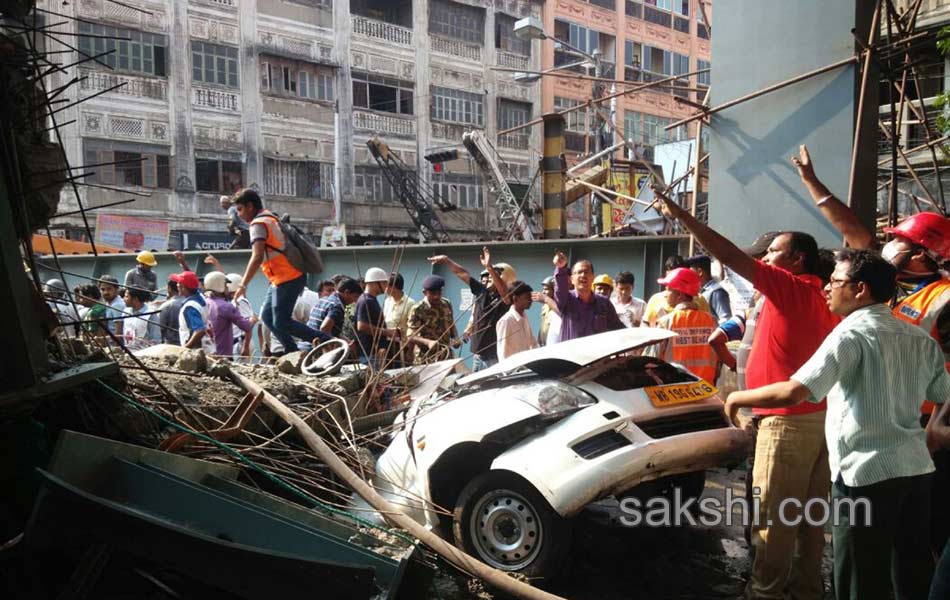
552 180
596 204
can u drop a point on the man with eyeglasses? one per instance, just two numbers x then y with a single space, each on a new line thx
876 371
582 311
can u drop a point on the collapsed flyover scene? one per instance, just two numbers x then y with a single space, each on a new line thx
473 299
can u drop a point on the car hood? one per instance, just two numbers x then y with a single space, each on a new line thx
562 359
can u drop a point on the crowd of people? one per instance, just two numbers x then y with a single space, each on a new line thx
842 358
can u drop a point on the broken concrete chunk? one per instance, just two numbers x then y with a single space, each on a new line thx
193 361
347 382
290 363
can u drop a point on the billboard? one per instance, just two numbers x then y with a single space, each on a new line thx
131 233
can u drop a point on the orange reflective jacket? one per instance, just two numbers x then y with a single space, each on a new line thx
691 347
276 267
922 309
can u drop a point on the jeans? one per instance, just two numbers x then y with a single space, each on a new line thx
940 587
277 314
479 363
891 556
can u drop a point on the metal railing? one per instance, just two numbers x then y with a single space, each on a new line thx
376 122
382 30
139 87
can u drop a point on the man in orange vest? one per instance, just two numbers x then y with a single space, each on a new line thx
286 281
920 246
694 326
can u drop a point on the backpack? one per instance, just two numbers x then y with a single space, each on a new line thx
299 248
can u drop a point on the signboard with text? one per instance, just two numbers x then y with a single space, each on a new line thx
132 233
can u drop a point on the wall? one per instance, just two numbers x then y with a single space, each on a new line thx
642 256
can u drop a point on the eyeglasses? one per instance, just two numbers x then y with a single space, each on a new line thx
837 283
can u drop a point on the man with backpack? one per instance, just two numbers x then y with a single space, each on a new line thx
275 248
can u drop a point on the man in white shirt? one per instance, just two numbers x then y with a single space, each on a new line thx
629 309
513 331
397 305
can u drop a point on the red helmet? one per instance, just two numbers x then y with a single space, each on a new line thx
926 229
682 280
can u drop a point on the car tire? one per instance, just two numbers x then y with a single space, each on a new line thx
502 520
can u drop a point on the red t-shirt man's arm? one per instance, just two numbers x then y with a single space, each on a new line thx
794 321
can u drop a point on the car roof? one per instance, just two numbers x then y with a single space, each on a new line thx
567 357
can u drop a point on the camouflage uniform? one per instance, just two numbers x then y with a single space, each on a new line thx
433 323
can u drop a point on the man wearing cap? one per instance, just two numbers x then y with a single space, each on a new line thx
603 285
715 295
431 322
582 311
513 330
791 459
629 308
193 329
142 276
692 326
372 335
919 249
488 307
223 316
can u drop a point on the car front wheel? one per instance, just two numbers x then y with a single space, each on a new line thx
501 519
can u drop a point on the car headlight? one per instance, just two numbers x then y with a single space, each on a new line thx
555 397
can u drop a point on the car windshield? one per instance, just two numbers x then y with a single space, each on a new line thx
634 372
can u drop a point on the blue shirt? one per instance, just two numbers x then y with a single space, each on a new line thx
193 318
115 311
369 311
332 306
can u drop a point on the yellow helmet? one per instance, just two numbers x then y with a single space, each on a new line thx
146 258
604 280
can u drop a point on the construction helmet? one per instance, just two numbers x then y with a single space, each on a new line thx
508 273
682 280
55 286
376 275
234 280
604 280
216 281
926 229
146 258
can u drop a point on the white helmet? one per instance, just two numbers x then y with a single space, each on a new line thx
234 280
375 274
216 281
508 273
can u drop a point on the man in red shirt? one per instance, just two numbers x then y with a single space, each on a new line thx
791 459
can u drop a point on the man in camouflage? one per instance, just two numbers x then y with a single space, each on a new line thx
432 324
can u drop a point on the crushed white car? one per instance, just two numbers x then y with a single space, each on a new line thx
513 452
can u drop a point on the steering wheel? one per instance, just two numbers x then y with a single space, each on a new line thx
326 359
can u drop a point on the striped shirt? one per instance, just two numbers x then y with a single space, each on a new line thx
876 372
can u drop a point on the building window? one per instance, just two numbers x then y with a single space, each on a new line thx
634 9
397 12
505 38
657 61
586 40
633 61
463 191
211 63
703 78
126 165
702 29
298 179
512 114
142 53
575 136
681 68
218 176
456 106
609 4
632 130
659 15
681 7
654 131
457 21
382 93
372 185
296 78
664 4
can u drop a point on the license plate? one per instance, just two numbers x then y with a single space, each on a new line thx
679 393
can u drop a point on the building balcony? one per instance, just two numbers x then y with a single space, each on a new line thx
215 99
450 131
134 86
456 48
390 124
512 60
220 3
381 30
515 141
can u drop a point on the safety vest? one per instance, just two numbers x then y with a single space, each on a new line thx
184 333
276 267
690 347
922 309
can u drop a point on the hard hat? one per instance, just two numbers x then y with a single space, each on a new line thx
549 280
375 274
216 281
604 280
682 280
234 280
926 229
146 258
508 273
56 285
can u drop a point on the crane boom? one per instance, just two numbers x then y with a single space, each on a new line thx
406 185
508 209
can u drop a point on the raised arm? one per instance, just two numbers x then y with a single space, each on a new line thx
442 259
562 291
837 212
728 253
500 286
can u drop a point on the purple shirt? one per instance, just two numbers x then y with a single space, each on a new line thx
578 318
223 315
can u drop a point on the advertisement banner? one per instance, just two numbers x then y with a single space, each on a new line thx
132 233
203 240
